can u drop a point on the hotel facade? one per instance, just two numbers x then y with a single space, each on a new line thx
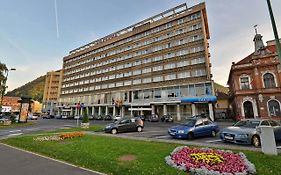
160 65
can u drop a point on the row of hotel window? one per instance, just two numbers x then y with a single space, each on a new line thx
131 73
192 90
268 81
144 61
145 51
141 35
194 73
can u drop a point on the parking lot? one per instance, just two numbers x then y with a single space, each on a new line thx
152 131
159 131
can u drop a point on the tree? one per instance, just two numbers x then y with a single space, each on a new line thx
85 118
3 79
3 70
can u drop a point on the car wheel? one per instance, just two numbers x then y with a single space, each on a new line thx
114 131
256 141
190 136
213 133
139 129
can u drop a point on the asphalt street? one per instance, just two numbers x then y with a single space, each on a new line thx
18 162
152 130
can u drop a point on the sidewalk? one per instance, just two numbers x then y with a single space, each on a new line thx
18 162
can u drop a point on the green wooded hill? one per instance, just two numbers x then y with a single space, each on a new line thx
34 89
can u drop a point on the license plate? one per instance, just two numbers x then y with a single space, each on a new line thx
228 137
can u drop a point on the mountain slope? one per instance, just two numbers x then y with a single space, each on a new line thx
34 89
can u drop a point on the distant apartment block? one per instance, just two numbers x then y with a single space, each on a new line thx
51 91
160 65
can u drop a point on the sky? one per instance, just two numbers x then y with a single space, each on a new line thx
35 35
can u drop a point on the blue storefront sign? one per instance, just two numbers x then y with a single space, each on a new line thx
199 99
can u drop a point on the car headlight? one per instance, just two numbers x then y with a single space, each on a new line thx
243 136
181 131
107 127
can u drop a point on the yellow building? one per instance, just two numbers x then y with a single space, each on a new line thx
36 107
51 90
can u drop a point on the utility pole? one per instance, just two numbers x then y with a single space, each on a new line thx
278 47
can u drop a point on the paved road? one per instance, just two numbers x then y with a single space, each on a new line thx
17 162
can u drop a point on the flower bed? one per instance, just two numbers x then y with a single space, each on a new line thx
209 161
71 135
63 136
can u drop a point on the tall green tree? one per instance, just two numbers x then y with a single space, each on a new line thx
3 79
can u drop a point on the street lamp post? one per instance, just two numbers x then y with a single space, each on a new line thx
274 30
4 87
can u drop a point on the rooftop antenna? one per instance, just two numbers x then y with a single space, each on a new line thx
256 28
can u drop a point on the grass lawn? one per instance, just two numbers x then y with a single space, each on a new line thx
102 154
15 125
93 127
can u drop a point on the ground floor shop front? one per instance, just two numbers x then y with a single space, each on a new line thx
180 110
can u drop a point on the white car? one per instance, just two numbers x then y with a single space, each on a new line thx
32 117
117 117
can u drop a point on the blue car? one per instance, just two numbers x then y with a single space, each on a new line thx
194 127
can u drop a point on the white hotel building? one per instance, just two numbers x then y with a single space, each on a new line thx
160 65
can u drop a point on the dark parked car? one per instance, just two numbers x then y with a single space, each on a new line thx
4 118
194 127
99 117
143 117
107 117
125 125
153 118
47 116
167 118
247 131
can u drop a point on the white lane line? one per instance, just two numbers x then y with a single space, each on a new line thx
161 137
212 141
32 129
15 131
16 134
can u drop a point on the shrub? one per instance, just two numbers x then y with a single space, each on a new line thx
85 116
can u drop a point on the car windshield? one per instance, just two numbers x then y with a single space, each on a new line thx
247 124
189 122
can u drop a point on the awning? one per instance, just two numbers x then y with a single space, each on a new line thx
140 109
200 99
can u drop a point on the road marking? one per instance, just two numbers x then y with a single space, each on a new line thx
16 134
212 141
68 126
15 131
161 137
32 129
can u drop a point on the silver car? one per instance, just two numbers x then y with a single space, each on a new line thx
248 132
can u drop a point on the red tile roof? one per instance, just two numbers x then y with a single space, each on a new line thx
271 48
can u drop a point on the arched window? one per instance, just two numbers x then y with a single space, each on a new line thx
268 80
274 108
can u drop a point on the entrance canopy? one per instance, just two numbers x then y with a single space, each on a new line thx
140 109
200 99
